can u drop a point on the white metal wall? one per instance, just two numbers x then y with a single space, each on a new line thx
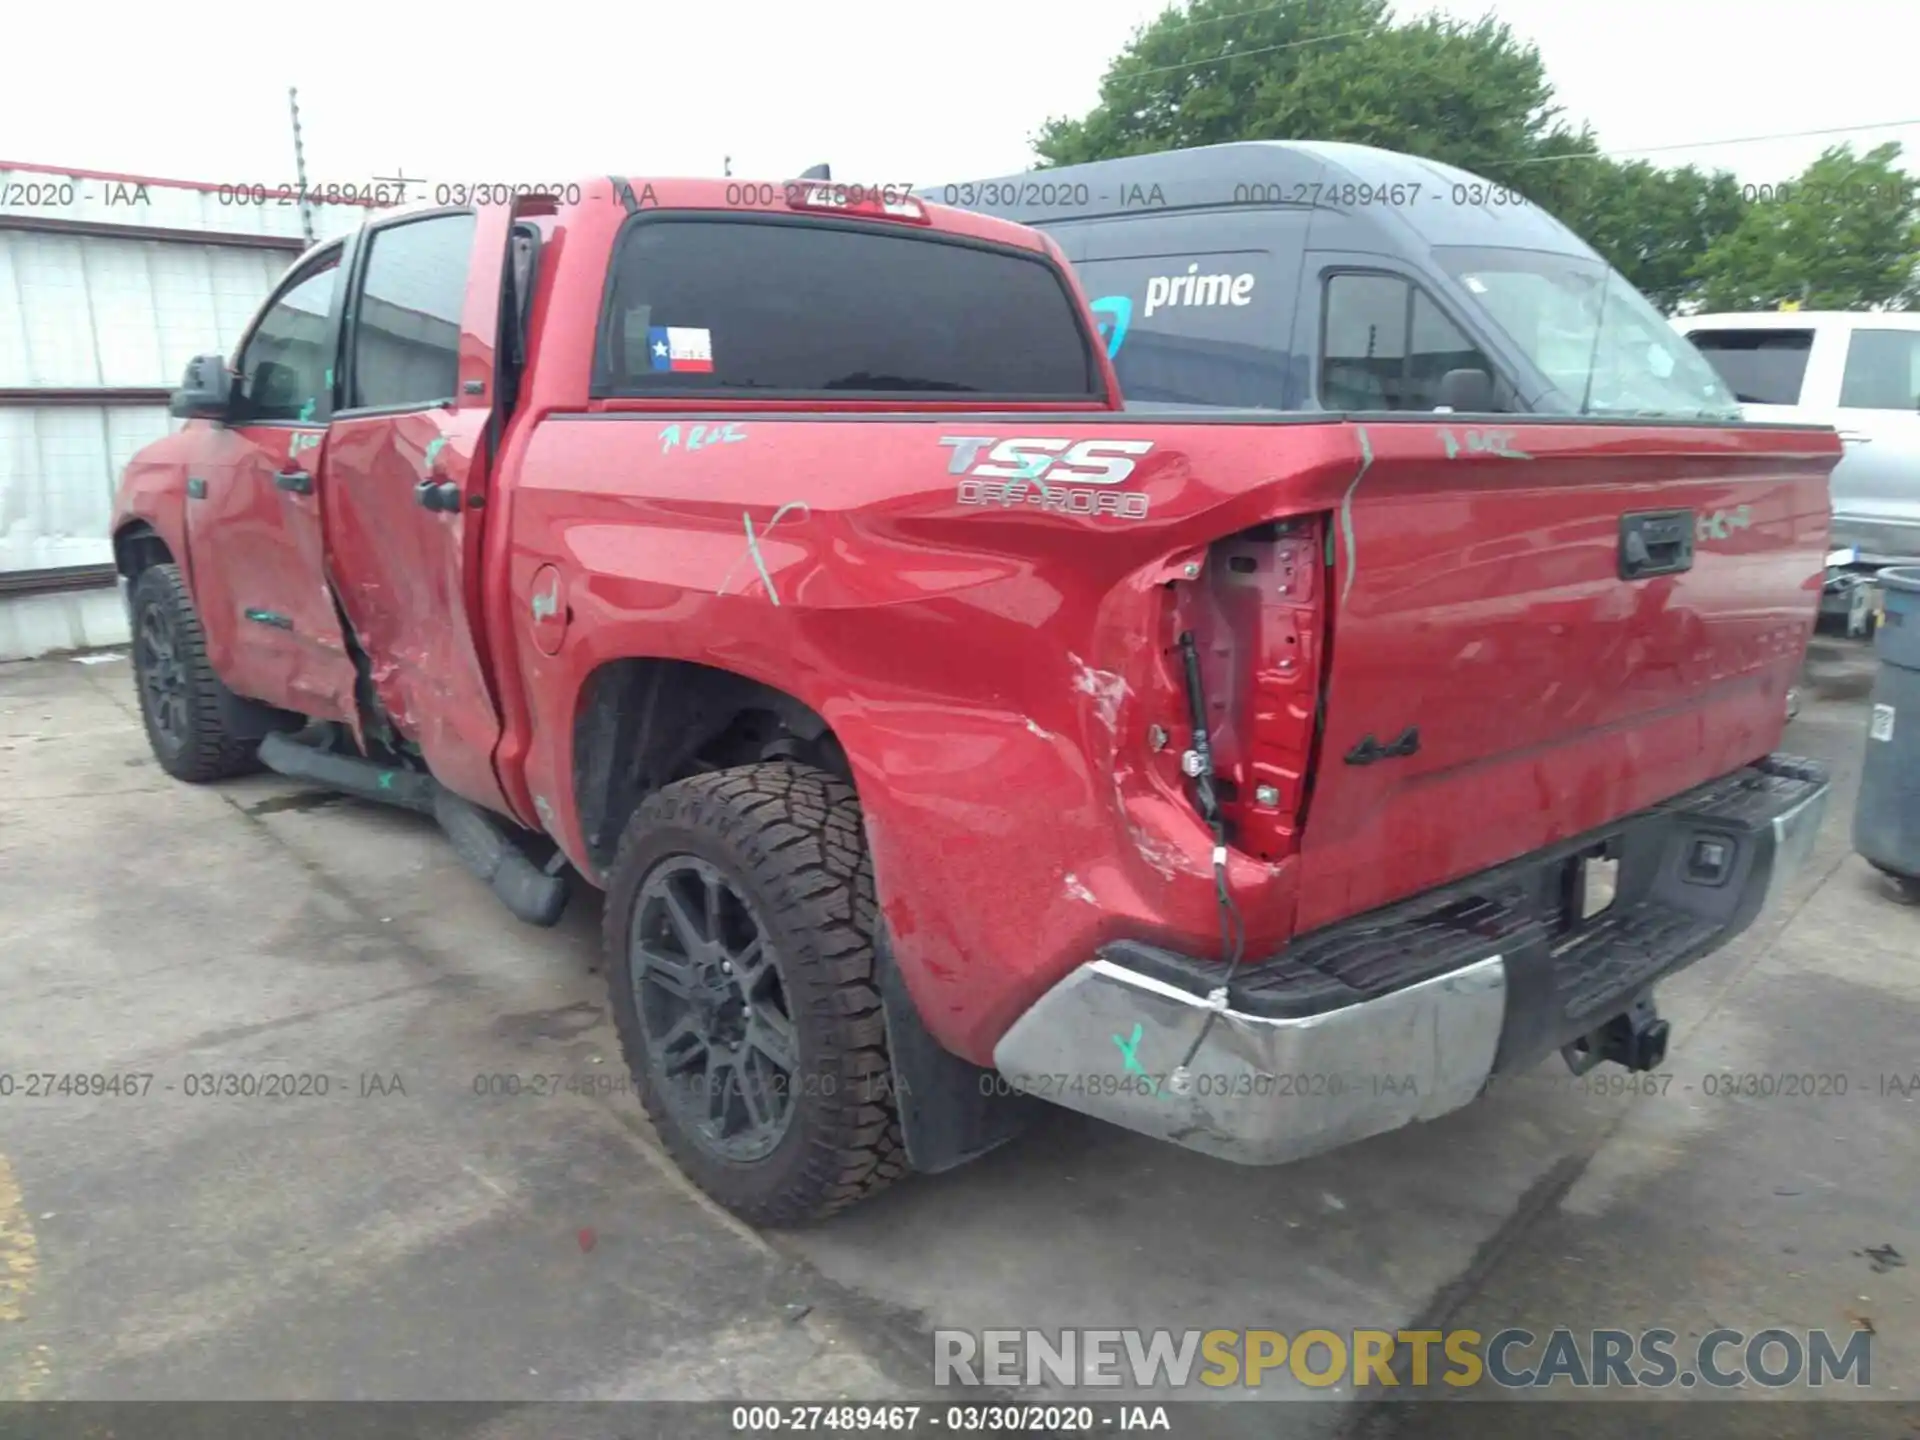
58 468
52 196
82 311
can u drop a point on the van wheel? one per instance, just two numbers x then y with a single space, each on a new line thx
740 964
1906 888
180 696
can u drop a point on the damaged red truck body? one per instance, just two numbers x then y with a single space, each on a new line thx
781 560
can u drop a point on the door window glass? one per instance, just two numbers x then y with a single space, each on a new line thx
406 319
1883 371
283 369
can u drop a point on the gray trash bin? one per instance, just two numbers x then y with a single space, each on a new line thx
1886 822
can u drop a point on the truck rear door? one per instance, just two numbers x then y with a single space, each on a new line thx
407 480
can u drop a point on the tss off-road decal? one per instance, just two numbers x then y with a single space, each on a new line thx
1053 474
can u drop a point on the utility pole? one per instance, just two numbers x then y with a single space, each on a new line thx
300 165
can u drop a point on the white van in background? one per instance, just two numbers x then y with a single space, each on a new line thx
1858 371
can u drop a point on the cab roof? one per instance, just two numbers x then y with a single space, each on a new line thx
766 197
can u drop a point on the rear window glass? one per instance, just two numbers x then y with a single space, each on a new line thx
808 308
1883 371
1761 367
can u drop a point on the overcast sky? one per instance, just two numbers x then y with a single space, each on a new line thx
887 92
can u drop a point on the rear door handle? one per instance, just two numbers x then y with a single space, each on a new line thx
294 482
440 495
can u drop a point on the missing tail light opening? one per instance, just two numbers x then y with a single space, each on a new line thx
1258 615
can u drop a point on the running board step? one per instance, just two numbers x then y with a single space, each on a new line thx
481 842
382 784
484 848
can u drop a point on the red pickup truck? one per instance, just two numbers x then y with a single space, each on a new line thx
946 736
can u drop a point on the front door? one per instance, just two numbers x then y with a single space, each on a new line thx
406 478
253 510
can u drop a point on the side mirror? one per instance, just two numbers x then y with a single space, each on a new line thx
1467 392
206 392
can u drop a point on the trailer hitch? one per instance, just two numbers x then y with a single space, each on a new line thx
1635 1038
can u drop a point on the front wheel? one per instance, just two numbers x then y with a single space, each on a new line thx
740 963
180 696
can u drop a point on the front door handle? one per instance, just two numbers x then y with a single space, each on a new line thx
294 482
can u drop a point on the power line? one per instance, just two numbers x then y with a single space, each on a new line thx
1217 19
1782 135
1711 144
1245 54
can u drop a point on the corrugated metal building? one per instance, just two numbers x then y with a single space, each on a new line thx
109 284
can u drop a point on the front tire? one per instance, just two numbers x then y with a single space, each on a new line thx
181 699
740 964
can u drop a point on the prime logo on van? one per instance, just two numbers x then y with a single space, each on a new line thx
1166 292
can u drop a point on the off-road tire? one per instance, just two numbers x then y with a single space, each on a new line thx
789 838
204 751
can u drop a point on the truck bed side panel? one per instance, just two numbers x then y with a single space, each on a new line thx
996 670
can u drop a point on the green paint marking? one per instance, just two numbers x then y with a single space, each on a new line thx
434 447
306 411
329 377
1130 1056
386 779
1483 442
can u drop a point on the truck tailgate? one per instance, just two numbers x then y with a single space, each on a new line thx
1536 630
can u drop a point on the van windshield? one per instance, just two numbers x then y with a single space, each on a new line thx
1603 346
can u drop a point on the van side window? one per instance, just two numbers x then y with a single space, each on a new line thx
1386 346
1761 367
1883 371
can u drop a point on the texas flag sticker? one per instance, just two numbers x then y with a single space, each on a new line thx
678 348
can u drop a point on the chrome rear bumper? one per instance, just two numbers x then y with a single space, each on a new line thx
1262 1088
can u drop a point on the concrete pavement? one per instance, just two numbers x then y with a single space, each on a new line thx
417 1231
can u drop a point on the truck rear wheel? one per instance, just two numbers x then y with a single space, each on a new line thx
180 696
740 963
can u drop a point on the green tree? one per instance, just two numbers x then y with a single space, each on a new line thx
1844 236
1466 93
1653 225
